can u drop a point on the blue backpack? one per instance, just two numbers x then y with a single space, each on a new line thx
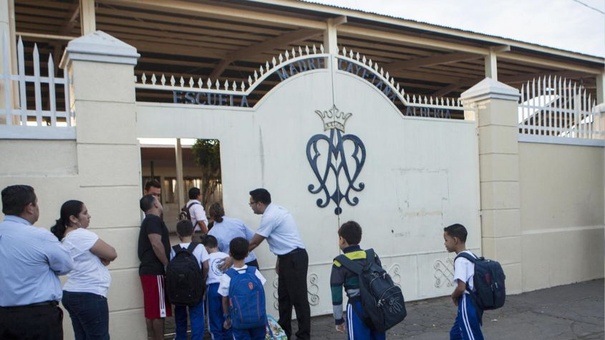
489 291
246 299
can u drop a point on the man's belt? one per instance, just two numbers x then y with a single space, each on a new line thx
34 305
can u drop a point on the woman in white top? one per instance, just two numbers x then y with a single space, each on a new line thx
85 292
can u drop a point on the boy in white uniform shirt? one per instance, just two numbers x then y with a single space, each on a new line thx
213 298
244 305
184 230
468 320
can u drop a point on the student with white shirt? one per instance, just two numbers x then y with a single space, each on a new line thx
184 230
197 212
216 319
243 295
468 320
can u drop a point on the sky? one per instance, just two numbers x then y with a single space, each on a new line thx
572 25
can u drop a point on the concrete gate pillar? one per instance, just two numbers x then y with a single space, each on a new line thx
494 107
102 95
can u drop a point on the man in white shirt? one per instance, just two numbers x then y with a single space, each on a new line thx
197 212
278 227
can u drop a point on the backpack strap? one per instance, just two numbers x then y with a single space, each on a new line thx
354 266
473 258
187 208
192 246
192 204
349 264
370 254
231 272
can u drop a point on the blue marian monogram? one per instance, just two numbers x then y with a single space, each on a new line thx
336 160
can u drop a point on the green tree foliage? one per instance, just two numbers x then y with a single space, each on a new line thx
207 155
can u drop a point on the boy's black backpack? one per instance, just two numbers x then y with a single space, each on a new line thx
185 214
488 282
381 300
184 281
246 299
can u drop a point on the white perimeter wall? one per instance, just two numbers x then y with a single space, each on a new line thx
561 214
420 175
55 170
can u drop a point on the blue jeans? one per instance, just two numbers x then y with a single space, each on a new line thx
196 317
89 315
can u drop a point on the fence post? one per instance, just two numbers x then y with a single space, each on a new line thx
102 95
598 128
6 56
495 112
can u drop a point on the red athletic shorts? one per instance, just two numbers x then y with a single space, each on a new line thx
154 295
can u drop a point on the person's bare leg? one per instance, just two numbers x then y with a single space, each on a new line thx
149 328
157 328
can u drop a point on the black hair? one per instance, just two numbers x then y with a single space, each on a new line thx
16 197
194 193
457 230
210 241
69 208
351 232
216 212
152 184
261 195
184 228
147 202
238 248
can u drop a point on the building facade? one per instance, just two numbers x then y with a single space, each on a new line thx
334 133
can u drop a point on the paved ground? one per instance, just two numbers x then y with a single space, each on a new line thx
560 313
567 312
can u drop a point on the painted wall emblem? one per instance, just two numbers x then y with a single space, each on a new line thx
337 160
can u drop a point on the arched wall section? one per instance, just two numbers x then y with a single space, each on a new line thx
419 175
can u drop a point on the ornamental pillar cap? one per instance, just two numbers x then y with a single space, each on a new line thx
99 47
490 89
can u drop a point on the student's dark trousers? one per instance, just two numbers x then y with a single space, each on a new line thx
42 321
292 292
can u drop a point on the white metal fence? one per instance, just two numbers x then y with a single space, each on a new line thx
33 106
556 107
290 63
549 106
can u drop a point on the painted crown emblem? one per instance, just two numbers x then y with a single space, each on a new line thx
334 118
